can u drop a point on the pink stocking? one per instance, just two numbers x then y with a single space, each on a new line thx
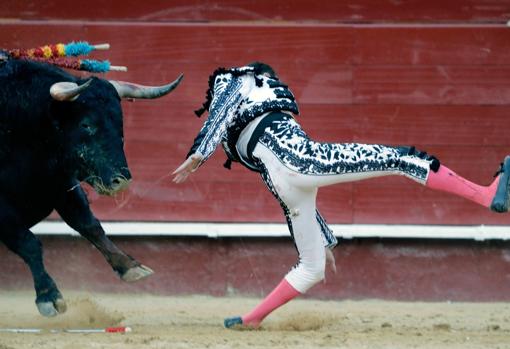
447 180
283 293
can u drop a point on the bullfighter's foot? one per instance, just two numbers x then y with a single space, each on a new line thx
236 323
501 201
137 273
51 307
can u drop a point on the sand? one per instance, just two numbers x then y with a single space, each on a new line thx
196 322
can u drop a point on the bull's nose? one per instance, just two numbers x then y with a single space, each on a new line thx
119 180
120 183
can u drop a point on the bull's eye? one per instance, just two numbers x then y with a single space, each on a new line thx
87 128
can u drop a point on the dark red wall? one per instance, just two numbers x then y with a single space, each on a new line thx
434 74
389 269
444 88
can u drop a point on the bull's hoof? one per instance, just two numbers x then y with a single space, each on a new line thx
137 273
50 309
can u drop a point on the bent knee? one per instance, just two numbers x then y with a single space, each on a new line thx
316 273
303 276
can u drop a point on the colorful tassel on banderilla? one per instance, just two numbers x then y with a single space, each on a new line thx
59 55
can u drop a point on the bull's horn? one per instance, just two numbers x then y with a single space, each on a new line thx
67 91
130 90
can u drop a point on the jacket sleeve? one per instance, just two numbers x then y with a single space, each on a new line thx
221 113
197 141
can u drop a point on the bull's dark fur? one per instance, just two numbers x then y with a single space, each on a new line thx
46 148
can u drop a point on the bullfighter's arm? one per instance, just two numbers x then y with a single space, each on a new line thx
221 112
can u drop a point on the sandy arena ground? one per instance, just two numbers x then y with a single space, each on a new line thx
196 322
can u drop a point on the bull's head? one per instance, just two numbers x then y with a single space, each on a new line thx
91 128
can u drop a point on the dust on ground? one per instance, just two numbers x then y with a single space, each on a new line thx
194 322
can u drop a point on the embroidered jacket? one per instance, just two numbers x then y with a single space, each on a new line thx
235 97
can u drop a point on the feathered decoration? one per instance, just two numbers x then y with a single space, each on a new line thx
83 48
59 54
89 65
74 49
92 65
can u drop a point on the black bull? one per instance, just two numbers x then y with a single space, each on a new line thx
57 130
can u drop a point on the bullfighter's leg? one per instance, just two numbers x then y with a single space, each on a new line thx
75 211
24 243
311 164
306 228
294 167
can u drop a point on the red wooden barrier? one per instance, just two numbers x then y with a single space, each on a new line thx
444 89
434 74
390 269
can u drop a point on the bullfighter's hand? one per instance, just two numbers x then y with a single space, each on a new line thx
187 167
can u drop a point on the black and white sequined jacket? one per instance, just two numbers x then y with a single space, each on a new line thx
235 97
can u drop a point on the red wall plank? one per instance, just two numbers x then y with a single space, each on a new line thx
432 85
359 11
438 45
444 89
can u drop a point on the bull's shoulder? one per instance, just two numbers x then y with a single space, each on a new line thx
24 90
23 71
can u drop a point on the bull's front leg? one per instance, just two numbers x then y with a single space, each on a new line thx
25 244
75 211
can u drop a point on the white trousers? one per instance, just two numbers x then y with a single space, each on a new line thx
295 184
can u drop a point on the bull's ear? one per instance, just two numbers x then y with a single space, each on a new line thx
67 91
130 90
